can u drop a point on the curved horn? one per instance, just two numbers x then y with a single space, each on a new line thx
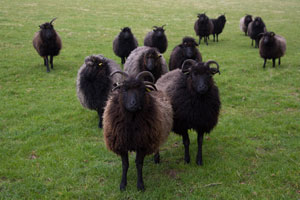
154 27
142 74
163 26
272 33
147 83
119 72
185 67
213 62
53 20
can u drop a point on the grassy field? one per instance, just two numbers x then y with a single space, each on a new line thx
51 148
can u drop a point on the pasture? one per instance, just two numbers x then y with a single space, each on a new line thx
51 147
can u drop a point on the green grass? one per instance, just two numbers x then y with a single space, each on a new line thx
51 148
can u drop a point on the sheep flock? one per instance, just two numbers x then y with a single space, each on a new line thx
142 99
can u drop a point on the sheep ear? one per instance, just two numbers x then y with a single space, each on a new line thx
272 34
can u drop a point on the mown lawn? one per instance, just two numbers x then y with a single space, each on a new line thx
51 148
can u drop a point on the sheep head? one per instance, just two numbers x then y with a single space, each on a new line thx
222 18
202 18
126 33
133 89
268 38
159 31
258 22
47 30
151 60
199 75
96 64
248 19
188 47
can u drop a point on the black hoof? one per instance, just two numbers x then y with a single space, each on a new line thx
199 162
123 186
141 187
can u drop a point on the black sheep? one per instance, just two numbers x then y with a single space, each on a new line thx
124 43
219 24
203 27
272 46
244 22
255 28
195 101
47 43
157 38
186 50
94 82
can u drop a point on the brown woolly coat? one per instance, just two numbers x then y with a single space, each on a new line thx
39 45
145 130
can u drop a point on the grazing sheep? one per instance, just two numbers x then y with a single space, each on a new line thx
136 118
203 27
146 59
94 82
157 38
272 46
195 101
255 28
124 43
244 22
186 50
47 43
219 24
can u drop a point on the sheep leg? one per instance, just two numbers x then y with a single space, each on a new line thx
156 157
100 114
47 64
125 166
51 61
265 63
278 61
139 161
199 154
214 37
186 143
206 40
123 60
274 59
252 43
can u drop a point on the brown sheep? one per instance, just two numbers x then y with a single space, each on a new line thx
136 118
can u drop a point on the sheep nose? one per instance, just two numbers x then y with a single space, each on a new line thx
201 89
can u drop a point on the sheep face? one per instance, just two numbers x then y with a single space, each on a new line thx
268 38
126 33
202 18
47 30
132 94
151 60
258 22
199 75
248 19
132 91
189 47
158 31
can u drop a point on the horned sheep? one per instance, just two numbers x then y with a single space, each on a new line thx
136 118
195 101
